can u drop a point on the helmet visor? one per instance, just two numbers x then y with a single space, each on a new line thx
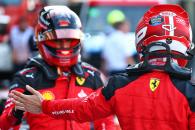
60 34
63 44
66 48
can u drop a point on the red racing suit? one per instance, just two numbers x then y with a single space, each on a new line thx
154 100
78 83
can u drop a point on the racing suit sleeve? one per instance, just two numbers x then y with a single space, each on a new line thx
192 121
10 117
105 124
96 82
90 108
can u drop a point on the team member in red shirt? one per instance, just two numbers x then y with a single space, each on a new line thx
153 95
58 74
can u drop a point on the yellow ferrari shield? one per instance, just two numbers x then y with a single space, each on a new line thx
80 80
154 83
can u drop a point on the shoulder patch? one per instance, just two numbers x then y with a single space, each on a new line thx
80 80
91 72
91 79
27 70
29 73
22 78
88 66
116 82
187 89
34 77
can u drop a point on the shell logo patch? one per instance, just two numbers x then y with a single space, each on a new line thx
154 83
80 80
48 95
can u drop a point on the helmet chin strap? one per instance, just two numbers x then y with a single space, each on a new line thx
60 70
160 61
168 65
76 69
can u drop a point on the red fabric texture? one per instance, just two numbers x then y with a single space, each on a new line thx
63 89
136 106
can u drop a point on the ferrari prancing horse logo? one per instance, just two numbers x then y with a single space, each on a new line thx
80 80
154 83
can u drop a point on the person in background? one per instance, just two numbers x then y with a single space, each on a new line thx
6 59
119 48
58 73
6 63
19 38
155 94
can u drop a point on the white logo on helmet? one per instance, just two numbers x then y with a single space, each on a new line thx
180 21
167 13
141 34
190 30
168 27
43 19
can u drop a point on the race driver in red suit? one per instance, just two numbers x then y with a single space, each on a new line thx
155 94
58 74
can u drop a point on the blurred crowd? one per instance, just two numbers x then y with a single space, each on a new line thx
16 41
17 45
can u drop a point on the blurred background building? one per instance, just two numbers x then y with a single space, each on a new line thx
96 28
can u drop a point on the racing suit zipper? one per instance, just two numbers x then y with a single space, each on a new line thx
69 78
69 82
66 96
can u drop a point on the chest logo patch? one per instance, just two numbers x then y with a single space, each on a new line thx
82 94
80 80
154 83
48 95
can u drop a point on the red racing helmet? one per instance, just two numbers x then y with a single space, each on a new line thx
165 23
58 34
